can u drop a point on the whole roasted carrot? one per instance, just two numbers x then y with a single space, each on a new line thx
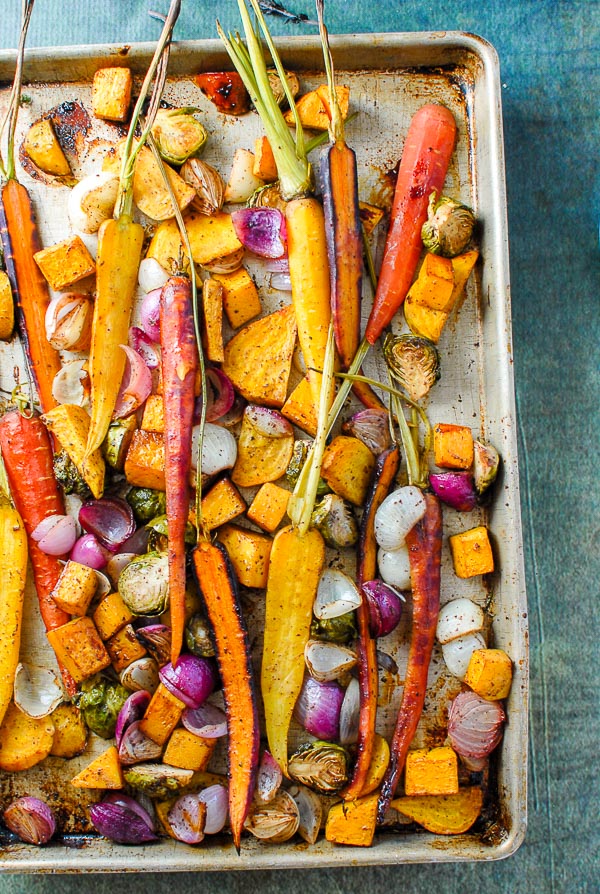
425 158
13 573
385 473
179 359
20 241
425 548
27 455
218 586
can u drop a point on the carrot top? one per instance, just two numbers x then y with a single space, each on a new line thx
7 168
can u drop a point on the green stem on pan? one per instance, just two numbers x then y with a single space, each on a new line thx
203 384
411 453
302 501
158 67
369 259
322 137
293 168
336 124
8 170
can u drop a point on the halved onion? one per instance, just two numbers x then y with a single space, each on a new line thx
221 396
458 618
136 385
145 347
475 725
310 810
37 691
457 653
268 778
385 607
56 535
190 679
31 820
372 427
207 721
110 519
456 489
318 709
150 314
219 448
121 819
327 661
187 819
87 550
217 804
336 595
349 713
136 747
151 275
261 230
397 515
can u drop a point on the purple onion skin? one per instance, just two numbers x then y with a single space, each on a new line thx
133 709
208 721
384 605
318 709
187 819
109 519
89 551
456 489
157 640
261 230
30 819
191 679
475 725
121 821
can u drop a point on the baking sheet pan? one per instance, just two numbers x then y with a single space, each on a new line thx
390 76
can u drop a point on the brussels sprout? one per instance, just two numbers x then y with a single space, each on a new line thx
178 134
322 766
333 517
448 228
67 475
146 503
292 473
277 87
414 361
100 700
198 637
157 780
486 463
159 534
335 630
117 441
144 584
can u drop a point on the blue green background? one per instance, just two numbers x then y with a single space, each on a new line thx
549 56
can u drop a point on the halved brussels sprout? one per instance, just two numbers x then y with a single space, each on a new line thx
178 134
144 584
296 463
333 517
322 766
198 637
100 701
448 228
159 533
335 630
146 503
69 477
157 780
414 362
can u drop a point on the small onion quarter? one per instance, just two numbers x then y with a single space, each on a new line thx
133 709
141 675
397 515
31 820
457 653
150 314
475 725
151 275
207 721
336 595
384 605
457 618
110 520
394 567
135 747
37 691
187 819
328 661
456 489
268 779
56 535
269 422
372 427
217 803
349 714
219 448
318 709
276 821
71 384
136 385
145 347
310 811
121 819
261 230
190 679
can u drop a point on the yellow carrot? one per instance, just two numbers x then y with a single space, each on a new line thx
13 558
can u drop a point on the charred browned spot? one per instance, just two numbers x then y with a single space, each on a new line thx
71 124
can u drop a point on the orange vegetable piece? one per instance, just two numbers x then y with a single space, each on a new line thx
472 552
221 504
79 648
212 303
249 553
269 506
162 715
443 814
299 408
124 648
111 615
489 673
188 751
431 771
103 772
347 468
452 446
260 457
241 301
352 822
145 460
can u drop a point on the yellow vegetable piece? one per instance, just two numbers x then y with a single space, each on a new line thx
162 715
212 305
150 194
424 321
452 446
24 741
145 460
380 759
188 751
431 772
103 772
443 814
44 150
13 573
70 731
75 588
153 418
462 265
269 506
79 648
241 301
353 822
111 615
65 263
111 93
472 552
7 307
260 457
220 505
347 468
264 160
259 358
435 282
249 553
489 674
71 424
210 238
124 648
300 409
314 107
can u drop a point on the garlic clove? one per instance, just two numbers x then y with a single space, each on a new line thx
328 661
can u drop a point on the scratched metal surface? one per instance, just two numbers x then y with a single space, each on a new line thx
390 77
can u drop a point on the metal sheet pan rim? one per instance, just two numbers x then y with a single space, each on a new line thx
101 856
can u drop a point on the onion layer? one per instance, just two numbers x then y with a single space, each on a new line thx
475 725
318 709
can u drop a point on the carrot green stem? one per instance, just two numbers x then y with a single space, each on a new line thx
8 170
336 126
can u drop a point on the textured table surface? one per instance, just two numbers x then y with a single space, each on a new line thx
549 55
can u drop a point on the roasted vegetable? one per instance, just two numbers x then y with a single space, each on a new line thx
334 518
44 150
13 558
336 630
24 741
178 134
117 442
414 362
226 90
158 780
144 584
443 815
322 766
100 699
449 226
198 637
147 504
353 822
111 93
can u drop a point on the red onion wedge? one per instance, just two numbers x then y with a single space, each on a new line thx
207 721
456 489
89 551
150 314
261 230
475 725
136 385
372 427
190 679
121 819
318 709
269 778
349 714
56 535
268 422
221 396
110 519
187 819
133 709
216 799
278 265
135 747
148 350
30 819
385 607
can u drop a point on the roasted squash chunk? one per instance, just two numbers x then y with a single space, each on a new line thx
65 263
249 553
24 740
443 814
103 772
111 93
347 468
79 648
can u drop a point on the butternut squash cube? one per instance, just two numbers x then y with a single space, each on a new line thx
111 615
431 772
264 161
453 446
472 552
423 320
124 648
343 98
353 822
299 408
75 588
111 93
212 305
104 772
210 238
70 731
258 359
269 506
188 751
153 418
347 468
44 150
489 674
443 814
221 504
435 283
162 715
150 194
79 648
70 425
145 460
65 263
314 108
249 553
241 301
462 265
